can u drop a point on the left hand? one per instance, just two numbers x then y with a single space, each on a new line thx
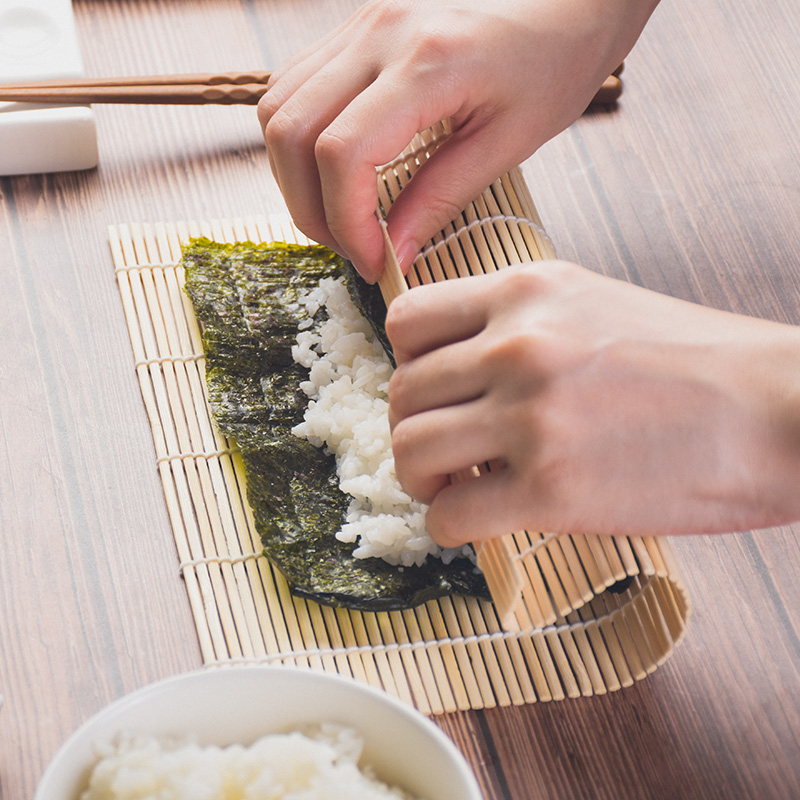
508 75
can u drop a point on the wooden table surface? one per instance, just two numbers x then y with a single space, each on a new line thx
690 187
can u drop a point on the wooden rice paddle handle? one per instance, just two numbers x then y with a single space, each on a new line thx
495 556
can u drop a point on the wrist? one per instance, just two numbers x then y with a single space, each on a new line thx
782 398
615 26
768 385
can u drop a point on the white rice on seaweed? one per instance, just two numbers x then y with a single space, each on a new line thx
348 415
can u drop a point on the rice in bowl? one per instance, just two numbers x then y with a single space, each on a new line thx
317 764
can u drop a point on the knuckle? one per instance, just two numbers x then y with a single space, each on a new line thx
282 130
447 527
398 392
402 445
408 447
443 41
269 105
442 56
332 147
383 14
397 319
519 352
412 478
279 129
522 283
447 38
442 208
265 110
315 229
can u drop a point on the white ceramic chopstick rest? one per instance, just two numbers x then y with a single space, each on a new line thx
39 41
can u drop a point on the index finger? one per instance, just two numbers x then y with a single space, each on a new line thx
435 315
375 126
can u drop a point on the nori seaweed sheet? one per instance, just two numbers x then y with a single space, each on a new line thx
245 295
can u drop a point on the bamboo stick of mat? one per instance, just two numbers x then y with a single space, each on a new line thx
495 556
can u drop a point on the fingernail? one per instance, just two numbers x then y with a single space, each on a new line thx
406 253
369 275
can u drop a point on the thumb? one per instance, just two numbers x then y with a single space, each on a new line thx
453 176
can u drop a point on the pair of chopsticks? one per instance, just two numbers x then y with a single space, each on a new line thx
233 88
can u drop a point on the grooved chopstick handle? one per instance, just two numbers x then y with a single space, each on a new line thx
180 79
189 94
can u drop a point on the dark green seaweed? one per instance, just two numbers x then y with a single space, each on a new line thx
245 295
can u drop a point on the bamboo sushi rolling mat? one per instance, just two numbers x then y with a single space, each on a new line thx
574 636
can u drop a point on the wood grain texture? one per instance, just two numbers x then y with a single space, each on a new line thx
690 187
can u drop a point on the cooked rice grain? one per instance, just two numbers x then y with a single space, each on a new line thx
347 413
320 765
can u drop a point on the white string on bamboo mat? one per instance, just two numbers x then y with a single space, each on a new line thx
206 560
480 223
423 644
225 451
195 562
144 266
184 359
529 551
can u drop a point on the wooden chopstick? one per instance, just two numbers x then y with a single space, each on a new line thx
184 94
180 79
608 93
233 88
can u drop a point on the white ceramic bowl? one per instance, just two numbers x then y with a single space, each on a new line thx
239 704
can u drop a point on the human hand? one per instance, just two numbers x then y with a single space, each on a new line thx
603 408
508 75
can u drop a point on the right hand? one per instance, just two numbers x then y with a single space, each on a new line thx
603 407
